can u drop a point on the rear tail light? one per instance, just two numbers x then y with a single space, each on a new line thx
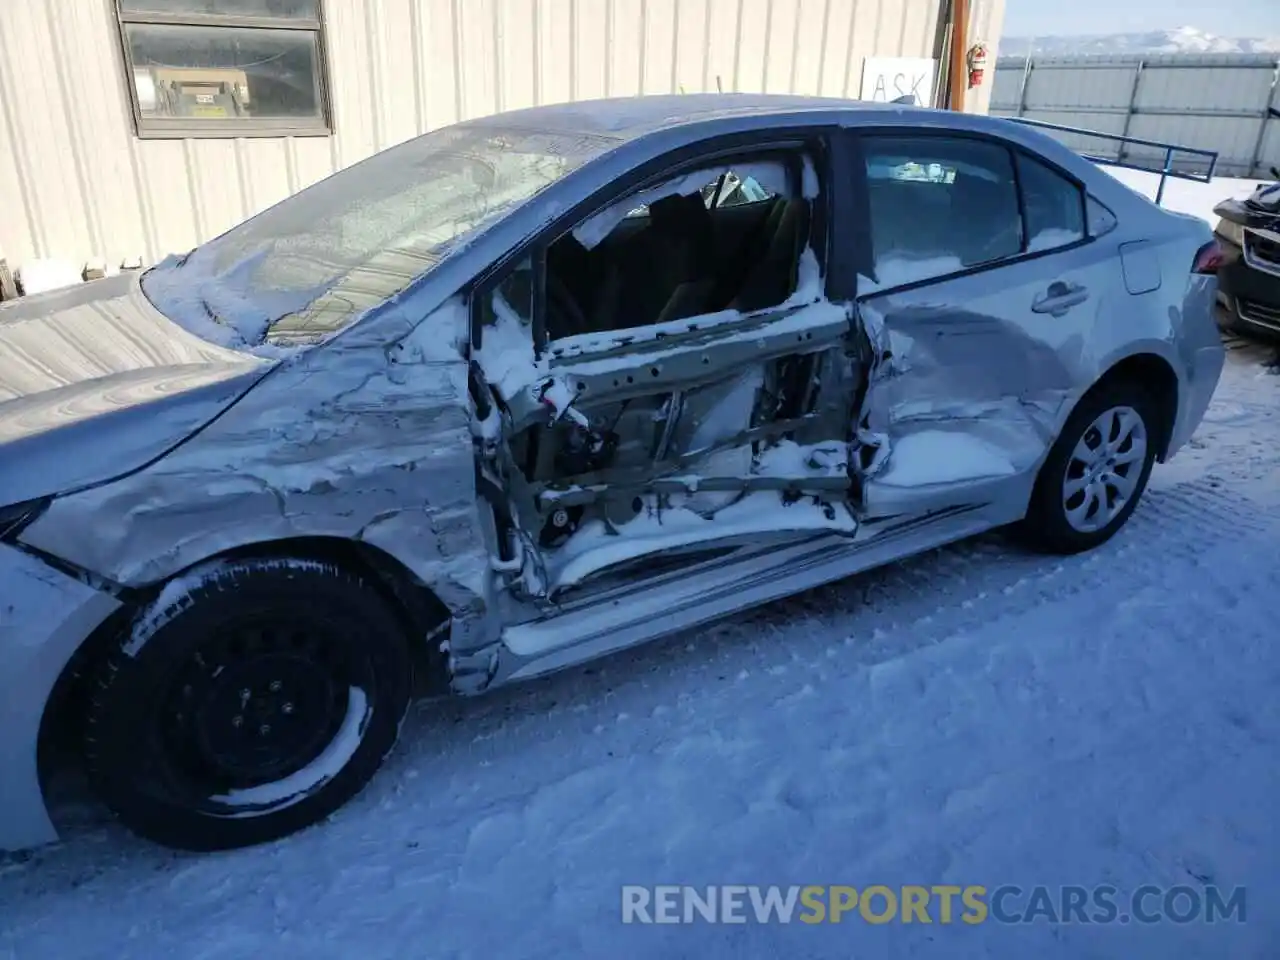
1208 259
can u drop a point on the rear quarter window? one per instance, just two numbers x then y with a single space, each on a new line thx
1053 206
1100 218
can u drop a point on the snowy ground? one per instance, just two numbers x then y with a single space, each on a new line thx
975 716
1186 196
978 715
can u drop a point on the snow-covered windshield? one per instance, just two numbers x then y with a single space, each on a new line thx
324 255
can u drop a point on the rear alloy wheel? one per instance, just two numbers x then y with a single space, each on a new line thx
249 705
1103 469
1096 472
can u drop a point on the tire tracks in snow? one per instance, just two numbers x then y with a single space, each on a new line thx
836 630
583 724
579 752
556 771
586 724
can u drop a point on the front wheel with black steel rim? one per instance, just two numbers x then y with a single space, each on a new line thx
1096 472
252 699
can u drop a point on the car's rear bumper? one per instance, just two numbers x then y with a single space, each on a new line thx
44 616
1203 356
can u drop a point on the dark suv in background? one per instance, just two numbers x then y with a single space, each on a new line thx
1249 275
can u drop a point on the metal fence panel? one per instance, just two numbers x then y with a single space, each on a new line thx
1102 88
1222 102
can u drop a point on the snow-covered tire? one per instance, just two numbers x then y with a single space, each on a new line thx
1053 518
180 741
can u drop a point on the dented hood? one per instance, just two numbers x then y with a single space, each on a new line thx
95 383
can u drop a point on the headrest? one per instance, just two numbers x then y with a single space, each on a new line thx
678 213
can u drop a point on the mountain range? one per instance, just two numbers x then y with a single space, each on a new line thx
1181 40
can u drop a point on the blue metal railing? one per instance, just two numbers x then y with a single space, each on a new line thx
1166 171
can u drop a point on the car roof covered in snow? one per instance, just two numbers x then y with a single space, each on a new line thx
663 121
687 117
626 118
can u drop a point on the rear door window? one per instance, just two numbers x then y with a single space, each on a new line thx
939 205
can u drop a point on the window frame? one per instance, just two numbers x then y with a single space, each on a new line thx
861 140
818 141
146 128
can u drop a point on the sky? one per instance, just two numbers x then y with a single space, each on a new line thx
1226 18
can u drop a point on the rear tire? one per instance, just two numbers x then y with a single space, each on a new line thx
248 702
1096 472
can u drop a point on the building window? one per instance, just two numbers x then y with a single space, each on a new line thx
225 68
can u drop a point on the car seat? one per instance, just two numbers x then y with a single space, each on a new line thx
663 272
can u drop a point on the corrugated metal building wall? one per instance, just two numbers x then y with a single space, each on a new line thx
1229 103
76 182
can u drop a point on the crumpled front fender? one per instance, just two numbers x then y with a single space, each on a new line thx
134 420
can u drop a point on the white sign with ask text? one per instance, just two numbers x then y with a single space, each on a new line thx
885 79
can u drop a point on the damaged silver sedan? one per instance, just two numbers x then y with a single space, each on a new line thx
535 388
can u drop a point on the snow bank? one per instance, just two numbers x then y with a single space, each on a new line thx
1185 196
39 276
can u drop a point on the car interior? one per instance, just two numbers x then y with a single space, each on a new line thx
970 217
685 248
681 256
